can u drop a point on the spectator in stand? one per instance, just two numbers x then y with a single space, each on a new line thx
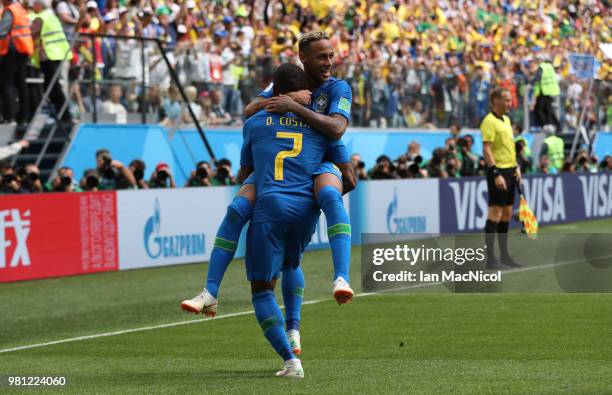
111 174
63 181
171 107
219 115
114 106
192 94
137 167
162 177
200 177
69 13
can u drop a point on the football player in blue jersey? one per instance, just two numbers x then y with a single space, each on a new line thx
329 114
284 152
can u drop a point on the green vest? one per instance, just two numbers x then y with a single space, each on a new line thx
52 37
555 151
548 84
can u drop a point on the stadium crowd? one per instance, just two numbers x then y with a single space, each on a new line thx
410 63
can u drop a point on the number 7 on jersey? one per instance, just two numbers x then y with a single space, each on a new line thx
280 157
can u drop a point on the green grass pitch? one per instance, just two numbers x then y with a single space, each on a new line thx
400 343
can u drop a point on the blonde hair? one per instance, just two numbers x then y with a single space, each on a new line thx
307 38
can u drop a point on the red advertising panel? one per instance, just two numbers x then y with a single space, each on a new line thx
54 235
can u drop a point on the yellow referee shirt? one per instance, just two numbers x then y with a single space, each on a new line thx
498 132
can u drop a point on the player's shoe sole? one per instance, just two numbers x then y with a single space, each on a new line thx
190 308
344 296
343 292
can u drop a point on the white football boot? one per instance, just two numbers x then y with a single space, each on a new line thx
292 369
203 303
294 341
342 291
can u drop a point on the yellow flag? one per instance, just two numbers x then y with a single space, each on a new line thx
528 218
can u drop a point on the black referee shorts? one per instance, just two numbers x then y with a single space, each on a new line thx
498 197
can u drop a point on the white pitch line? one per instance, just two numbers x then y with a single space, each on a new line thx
172 324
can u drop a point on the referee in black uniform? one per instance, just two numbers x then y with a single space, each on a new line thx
502 176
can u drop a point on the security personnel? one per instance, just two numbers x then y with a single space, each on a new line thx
553 147
52 48
502 176
16 47
546 89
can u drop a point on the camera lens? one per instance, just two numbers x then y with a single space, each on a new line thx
138 174
202 172
65 181
162 175
33 176
92 181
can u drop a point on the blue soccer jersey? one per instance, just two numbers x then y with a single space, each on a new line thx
285 153
334 96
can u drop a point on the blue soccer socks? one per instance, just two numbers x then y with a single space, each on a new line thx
338 229
292 284
238 214
270 319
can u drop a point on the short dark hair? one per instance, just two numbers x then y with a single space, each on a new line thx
138 164
311 37
289 78
497 93
101 152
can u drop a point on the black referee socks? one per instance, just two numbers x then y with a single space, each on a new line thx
490 229
502 237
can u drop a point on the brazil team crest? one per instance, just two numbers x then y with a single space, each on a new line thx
321 103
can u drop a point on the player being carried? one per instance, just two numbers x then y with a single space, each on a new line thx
284 153
329 113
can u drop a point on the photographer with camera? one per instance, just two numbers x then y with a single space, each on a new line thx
359 167
137 167
468 160
200 177
162 177
223 175
384 169
9 183
112 173
63 182
29 179
90 181
435 167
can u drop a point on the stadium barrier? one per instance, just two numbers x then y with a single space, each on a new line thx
54 235
181 149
